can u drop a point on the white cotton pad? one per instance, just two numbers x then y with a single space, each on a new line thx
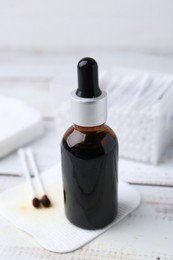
49 226
20 124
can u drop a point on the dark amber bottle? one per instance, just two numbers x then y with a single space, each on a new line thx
90 158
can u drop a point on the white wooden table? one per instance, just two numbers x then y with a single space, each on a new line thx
147 233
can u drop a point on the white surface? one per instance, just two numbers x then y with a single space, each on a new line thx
146 233
20 124
49 225
57 25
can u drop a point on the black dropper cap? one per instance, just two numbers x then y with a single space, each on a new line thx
88 86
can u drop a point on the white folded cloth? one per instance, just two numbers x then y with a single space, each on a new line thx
20 124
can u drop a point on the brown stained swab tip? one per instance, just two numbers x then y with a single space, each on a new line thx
36 203
45 201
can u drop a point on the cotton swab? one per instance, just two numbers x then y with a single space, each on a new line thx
35 200
44 200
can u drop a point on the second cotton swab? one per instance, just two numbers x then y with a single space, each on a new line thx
35 201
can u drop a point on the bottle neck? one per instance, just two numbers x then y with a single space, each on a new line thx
89 112
88 129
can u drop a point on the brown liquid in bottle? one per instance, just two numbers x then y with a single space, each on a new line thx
89 168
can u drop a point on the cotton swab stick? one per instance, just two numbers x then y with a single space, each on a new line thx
44 200
35 201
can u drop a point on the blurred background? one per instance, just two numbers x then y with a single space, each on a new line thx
41 43
52 25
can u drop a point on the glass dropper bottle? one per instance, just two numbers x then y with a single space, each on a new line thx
89 151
